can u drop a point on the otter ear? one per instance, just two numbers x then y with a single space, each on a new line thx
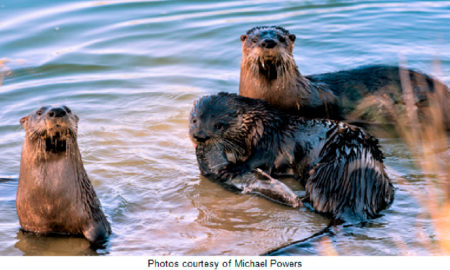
243 37
292 37
23 120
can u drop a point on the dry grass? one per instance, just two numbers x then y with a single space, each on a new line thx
427 140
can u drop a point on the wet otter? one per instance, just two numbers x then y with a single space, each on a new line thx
269 72
54 194
238 139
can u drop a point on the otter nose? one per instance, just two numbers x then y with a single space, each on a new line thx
56 112
268 43
201 137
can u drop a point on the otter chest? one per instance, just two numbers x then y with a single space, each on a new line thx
54 185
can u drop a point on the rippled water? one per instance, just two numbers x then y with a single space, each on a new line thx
131 70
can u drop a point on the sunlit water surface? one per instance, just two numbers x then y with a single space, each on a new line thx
131 71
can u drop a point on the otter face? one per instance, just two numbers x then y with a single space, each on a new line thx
211 119
50 127
266 48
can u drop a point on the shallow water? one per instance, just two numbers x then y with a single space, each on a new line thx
131 70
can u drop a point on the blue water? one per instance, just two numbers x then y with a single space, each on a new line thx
131 71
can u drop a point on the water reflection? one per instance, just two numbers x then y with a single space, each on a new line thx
33 244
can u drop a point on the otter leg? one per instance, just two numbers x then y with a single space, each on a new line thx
264 185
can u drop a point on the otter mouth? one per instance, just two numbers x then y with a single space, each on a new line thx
56 143
268 67
56 139
193 141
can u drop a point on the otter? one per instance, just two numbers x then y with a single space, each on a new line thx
269 72
54 194
245 143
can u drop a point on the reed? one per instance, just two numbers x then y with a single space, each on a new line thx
427 141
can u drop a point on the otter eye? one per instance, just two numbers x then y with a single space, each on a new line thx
254 40
219 126
282 39
194 121
41 111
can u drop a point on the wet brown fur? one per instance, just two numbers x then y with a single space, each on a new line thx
269 72
340 165
54 194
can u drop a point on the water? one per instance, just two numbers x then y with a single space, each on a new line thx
131 70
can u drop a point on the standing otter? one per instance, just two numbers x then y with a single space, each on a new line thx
269 72
54 194
238 139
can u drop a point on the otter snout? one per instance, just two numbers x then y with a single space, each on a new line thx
200 136
268 43
56 112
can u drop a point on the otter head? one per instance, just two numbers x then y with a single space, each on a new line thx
268 50
233 122
50 129
212 118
